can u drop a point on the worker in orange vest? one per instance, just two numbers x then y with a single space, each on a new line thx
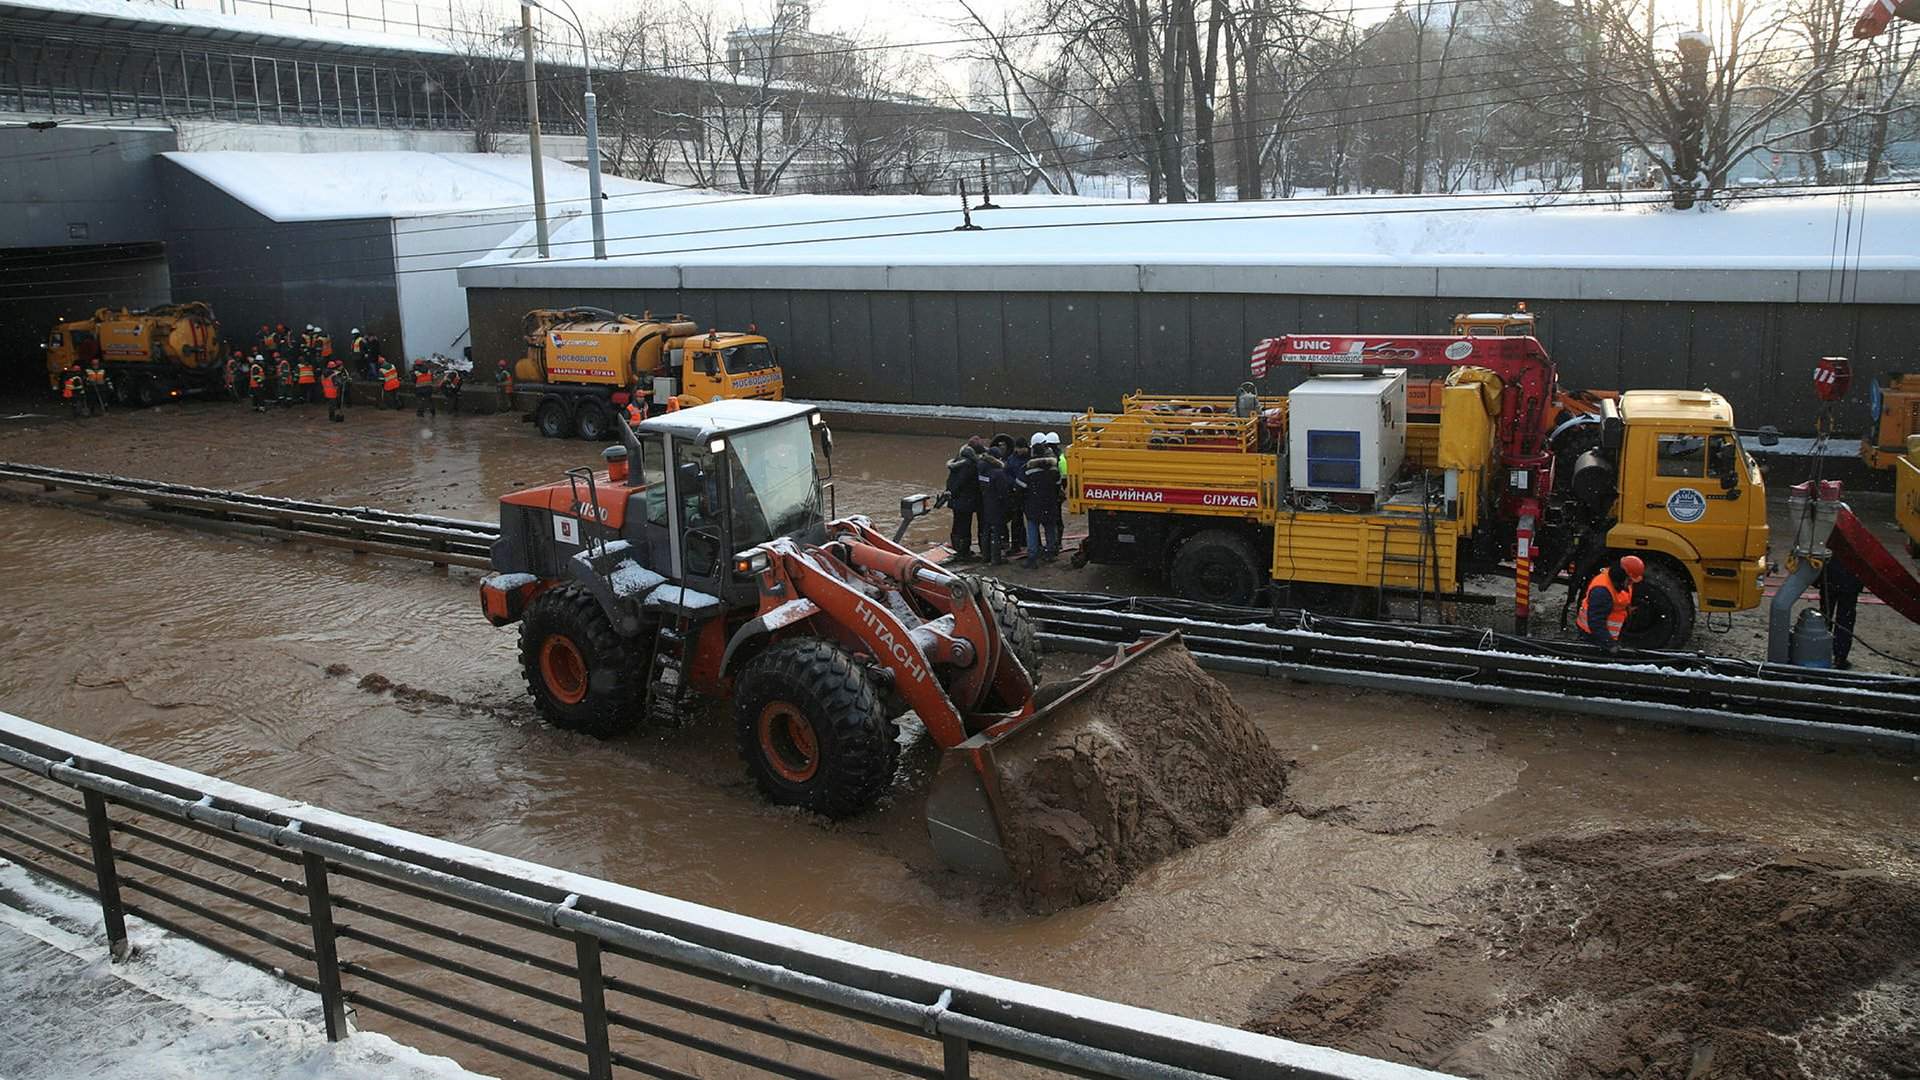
97 387
450 382
231 374
257 382
1609 599
389 384
423 389
282 378
503 378
306 378
635 413
332 385
73 390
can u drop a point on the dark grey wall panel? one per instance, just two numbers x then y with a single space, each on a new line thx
337 274
80 186
1069 351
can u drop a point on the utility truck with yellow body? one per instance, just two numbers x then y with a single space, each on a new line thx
583 365
1335 495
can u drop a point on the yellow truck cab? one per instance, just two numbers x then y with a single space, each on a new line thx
1691 492
720 366
585 365
1906 494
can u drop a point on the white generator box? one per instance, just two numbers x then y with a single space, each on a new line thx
1347 433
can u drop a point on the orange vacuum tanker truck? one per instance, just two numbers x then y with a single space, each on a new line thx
704 562
150 355
583 365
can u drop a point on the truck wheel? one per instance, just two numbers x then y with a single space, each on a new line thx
1016 626
1662 616
591 422
811 729
583 676
551 417
147 392
1217 566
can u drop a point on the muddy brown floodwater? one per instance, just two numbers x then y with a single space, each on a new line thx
1489 891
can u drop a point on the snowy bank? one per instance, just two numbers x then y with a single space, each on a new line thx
174 1011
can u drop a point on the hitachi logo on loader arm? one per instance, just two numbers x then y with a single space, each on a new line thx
908 655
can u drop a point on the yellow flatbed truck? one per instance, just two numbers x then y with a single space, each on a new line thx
1331 497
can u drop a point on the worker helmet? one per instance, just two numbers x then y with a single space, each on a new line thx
1053 438
1633 567
1039 439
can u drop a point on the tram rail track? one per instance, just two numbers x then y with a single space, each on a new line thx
1686 689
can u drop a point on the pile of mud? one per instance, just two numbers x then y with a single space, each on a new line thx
1156 758
1662 953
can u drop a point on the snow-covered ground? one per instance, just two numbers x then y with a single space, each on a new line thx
173 1011
405 183
1771 230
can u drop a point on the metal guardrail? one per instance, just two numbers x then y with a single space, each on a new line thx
1689 689
603 979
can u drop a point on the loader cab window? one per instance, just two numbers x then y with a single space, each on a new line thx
652 473
757 356
775 489
1683 455
700 499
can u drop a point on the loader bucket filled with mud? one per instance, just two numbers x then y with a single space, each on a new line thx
1141 756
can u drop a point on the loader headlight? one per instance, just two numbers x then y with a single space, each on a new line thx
914 506
752 563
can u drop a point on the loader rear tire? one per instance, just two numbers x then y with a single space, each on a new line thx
1016 626
1217 567
811 729
1662 614
583 676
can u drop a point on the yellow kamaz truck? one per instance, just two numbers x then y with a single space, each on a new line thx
150 354
584 364
1335 495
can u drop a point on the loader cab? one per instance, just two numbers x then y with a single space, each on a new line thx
736 474
1690 491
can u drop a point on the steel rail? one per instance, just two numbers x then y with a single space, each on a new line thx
1692 689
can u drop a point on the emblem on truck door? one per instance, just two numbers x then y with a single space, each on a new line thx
566 529
1686 505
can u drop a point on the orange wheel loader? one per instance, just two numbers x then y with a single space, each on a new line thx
704 562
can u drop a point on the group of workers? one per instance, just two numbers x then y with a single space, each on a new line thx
287 368
1009 494
86 389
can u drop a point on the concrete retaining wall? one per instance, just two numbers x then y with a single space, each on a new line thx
1024 341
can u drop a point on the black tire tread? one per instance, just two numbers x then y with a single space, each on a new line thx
616 670
858 752
1183 569
1663 577
1016 626
540 411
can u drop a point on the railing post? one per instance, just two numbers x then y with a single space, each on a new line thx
593 1006
957 1058
106 877
326 960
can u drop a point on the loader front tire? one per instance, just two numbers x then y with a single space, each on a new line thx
1016 626
583 676
811 729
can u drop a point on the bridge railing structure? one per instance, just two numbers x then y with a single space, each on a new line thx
522 969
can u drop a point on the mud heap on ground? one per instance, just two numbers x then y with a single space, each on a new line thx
1154 759
1666 953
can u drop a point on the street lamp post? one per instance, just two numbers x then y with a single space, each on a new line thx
593 123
